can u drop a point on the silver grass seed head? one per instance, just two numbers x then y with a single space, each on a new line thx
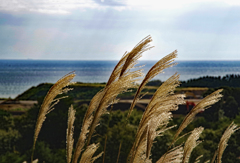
224 139
191 143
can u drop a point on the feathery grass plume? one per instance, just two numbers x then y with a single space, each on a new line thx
197 160
140 152
201 106
156 116
135 54
162 64
110 93
120 80
49 102
128 61
145 142
70 140
163 99
191 143
87 156
223 141
157 126
175 155
117 85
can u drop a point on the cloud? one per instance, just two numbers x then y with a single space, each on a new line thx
56 6
96 29
67 6
45 6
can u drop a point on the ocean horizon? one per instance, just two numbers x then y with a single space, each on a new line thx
19 75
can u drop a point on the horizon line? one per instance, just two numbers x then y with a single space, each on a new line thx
118 60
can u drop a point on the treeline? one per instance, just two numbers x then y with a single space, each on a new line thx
232 80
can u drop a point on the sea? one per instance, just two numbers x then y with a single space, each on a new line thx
16 76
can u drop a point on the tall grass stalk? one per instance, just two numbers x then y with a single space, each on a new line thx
191 143
49 102
70 130
223 142
201 106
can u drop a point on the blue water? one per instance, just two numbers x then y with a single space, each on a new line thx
16 76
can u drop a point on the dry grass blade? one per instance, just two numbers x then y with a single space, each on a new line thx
223 141
155 70
49 102
135 54
191 143
157 126
128 61
201 106
140 152
145 142
87 156
82 139
70 140
158 111
117 69
173 156
117 87
164 99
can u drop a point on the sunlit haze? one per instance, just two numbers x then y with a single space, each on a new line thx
105 29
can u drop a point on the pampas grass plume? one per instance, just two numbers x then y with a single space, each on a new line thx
191 143
201 106
49 102
223 141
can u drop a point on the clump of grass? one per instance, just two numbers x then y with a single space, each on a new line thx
155 118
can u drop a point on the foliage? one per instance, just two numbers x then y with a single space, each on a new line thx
231 80
154 83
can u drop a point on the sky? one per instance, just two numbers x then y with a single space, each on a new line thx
106 29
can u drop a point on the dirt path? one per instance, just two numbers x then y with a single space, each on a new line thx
16 105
